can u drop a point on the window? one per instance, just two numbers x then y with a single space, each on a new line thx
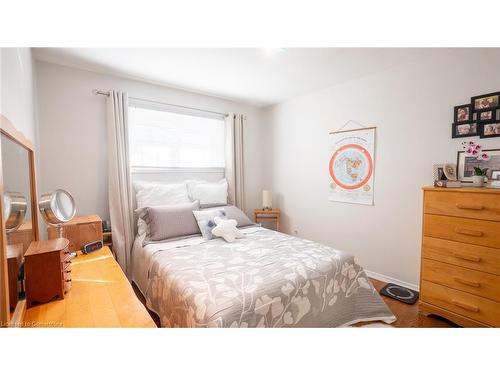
160 138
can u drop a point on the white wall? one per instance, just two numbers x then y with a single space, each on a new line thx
412 107
73 132
17 103
17 90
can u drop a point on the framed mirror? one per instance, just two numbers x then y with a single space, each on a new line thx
19 215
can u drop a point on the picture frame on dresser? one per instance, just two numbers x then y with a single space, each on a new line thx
466 164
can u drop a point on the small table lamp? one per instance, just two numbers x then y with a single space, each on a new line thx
267 199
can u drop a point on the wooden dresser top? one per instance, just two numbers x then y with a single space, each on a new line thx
100 296
41 247
84 220
463 189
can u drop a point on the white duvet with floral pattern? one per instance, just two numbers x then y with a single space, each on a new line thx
267 279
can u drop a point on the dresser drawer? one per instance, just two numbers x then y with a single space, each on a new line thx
475 257
478 283
478 232
469 205
66 274
65 255
466 304
66 264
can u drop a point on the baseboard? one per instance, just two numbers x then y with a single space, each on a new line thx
389 279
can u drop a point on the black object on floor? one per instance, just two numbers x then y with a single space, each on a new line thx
400 293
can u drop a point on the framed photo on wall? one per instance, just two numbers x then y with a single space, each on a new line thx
462 114
464 130
466 164
486 116
486 101
489 130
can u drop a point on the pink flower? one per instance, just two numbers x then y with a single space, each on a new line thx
472 151
484 156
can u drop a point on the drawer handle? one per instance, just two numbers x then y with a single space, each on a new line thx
469 232
66 252
465 306
477 207
475 284
68 271
67 261
68 280
470 258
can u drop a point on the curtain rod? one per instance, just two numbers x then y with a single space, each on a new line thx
106 93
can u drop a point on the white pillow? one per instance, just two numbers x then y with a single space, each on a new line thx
208 193
158 194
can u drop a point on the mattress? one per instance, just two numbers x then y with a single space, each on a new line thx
266 279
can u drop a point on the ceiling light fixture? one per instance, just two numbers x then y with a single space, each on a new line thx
273 51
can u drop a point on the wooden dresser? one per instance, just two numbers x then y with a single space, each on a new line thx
460 268
80 231
101 296
48 270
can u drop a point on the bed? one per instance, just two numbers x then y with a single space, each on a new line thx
265 279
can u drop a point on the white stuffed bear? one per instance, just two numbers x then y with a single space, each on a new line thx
226 229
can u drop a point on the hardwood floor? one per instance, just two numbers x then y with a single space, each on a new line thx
407 315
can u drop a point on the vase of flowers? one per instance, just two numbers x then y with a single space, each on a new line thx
475 150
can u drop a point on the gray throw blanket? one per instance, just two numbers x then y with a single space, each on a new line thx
267 279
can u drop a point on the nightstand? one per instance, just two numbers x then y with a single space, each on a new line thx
267 216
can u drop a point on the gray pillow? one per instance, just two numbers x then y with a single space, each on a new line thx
170 221
206 221
233 212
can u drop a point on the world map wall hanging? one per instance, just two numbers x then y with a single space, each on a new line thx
352 165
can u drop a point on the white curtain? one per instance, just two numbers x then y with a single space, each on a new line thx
119 179
234 159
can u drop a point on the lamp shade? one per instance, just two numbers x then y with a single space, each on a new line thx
267 199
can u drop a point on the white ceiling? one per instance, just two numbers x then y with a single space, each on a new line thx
251 75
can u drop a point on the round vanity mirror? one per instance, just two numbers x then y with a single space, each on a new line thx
14 210
57 207
6 206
